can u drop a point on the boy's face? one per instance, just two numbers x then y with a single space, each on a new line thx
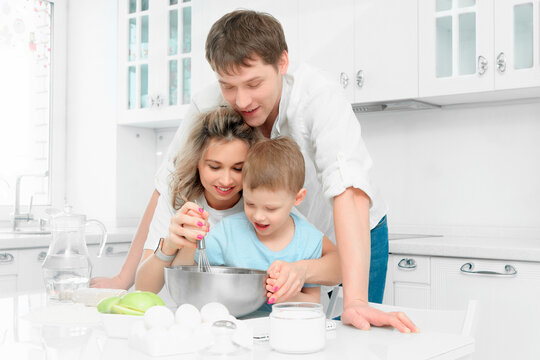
255 91
268 210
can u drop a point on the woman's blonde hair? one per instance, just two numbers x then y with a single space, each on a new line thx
222 124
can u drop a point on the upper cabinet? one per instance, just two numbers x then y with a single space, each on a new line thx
469 46
155 58
369 47
517 44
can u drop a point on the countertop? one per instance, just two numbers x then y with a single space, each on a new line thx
519 249
27 241
23 341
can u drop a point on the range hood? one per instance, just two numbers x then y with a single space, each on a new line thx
393 106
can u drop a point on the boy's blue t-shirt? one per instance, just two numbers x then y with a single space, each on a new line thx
233 242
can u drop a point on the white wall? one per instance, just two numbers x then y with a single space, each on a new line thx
91 107
472 170
109 168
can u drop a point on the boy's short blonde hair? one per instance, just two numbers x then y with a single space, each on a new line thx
274 164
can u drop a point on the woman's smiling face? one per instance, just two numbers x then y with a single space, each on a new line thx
220 171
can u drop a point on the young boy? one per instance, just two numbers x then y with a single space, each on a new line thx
273 179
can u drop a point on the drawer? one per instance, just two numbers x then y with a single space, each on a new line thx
410 268
8 262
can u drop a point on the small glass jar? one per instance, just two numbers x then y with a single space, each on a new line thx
297 327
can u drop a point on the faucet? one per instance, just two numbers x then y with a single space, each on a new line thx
19 217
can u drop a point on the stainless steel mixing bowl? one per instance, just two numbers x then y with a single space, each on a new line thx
242 291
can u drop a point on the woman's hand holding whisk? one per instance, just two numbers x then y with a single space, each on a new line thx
188 226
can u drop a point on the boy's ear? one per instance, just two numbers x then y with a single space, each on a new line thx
300 196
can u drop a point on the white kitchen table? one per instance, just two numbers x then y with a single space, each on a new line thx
21 340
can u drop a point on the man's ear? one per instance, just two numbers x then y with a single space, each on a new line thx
283 64
300 196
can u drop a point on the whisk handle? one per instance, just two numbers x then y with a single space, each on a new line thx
200 244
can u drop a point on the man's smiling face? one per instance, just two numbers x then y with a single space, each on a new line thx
255 91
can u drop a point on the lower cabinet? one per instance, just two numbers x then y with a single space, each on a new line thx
9 263
508 295
111 261
408 281
20 269
30 275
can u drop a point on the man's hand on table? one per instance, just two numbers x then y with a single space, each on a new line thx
360 315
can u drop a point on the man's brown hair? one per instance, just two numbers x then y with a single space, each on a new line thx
242 35
274 164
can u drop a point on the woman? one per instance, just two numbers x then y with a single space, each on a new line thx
208 173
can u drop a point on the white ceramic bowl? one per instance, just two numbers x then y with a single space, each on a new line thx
119 326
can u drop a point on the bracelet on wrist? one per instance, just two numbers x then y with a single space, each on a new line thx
161 255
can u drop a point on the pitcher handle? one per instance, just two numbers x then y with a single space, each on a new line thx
103 229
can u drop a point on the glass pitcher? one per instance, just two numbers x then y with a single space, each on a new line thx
67 265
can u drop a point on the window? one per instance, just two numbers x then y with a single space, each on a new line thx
27 109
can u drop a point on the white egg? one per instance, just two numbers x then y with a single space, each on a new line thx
188 316
158 316
214 311
180 333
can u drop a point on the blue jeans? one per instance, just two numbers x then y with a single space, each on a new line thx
379 262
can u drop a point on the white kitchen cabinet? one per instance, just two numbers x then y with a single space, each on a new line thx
30 275
155 57
327 33
471 46
408 281
9 263
507 293
517 43
370 47
111 261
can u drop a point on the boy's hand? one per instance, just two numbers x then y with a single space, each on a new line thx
188 225
285 280
362 316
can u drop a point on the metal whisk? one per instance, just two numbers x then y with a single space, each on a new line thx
203 265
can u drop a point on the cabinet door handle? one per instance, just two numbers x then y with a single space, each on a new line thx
156 101
482 65
467 268
407 264
41 256
6 258
360 78
344 80
109 251
501 63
